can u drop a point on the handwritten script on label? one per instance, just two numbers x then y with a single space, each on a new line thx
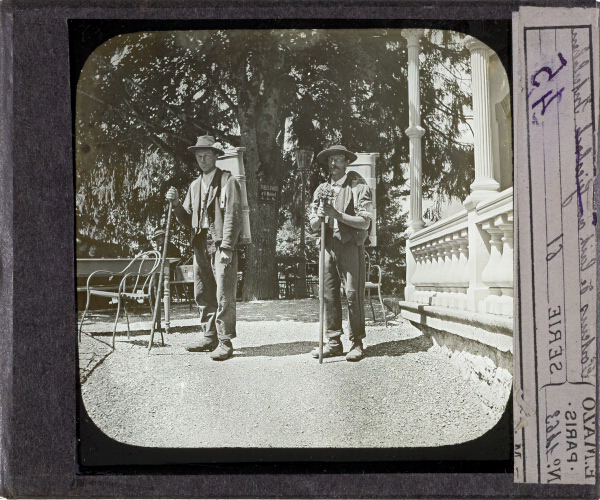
555 337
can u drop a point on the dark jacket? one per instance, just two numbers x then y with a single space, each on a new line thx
224 208
354 199
172 251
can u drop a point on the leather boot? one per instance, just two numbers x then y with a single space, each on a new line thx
223 352
356 352
332 348
206 344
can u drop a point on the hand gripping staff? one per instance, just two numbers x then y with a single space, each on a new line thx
160 280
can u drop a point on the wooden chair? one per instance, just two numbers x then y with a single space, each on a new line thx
371 284
137 282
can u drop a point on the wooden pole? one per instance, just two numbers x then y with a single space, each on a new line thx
160 278
322 290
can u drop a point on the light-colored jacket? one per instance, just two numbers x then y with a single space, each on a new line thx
224 208
354 198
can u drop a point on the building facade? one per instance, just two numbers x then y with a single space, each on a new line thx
459 270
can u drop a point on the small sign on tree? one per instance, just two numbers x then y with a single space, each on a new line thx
268 193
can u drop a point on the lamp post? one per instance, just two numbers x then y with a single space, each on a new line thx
304 158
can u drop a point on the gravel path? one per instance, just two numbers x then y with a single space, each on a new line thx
272 393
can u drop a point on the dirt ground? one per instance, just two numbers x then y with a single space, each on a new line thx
272 393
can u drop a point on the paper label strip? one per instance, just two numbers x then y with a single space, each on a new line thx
556 93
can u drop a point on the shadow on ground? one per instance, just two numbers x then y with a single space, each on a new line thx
395 348
275 350
85 373
144 343
399 347
146 332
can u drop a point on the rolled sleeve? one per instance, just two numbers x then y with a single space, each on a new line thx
364 203
183 211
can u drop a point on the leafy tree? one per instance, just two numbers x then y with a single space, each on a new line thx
142 99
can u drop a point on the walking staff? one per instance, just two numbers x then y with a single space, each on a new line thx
322 289
160 281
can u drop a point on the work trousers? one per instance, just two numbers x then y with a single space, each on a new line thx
214 287
344 265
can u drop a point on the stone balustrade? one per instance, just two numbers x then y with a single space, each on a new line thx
465 261
495 217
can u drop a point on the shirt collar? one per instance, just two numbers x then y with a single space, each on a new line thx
339 182
207 178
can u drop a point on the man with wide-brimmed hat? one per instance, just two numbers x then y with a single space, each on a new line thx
346 204
212 209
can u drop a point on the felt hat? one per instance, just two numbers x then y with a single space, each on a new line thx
335 150
206 142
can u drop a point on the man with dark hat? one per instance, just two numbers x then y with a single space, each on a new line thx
159 238
346 204
212 209
144 244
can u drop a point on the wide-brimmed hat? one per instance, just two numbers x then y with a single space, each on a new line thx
206 142
335 150
157 233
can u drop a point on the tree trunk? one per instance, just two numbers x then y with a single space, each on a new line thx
259 110
260 279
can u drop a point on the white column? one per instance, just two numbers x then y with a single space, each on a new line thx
485 184
414 130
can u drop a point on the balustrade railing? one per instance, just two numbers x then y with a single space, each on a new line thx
465 261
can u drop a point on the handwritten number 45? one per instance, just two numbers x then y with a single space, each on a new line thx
548 97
